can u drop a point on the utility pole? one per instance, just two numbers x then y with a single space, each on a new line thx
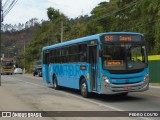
24 70
61 31
0 34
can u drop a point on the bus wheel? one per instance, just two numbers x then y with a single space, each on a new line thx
39 75
55 83
84 88
34 74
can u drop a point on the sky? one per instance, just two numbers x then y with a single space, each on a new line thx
25 10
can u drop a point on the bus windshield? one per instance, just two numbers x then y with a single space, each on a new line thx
124 57
7 64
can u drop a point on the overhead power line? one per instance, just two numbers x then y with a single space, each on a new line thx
6 4
8 7
120 9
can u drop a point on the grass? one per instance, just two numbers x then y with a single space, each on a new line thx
154 57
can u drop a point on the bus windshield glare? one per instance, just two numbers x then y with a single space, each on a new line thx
124 57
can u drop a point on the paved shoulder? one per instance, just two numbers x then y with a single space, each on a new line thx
9 102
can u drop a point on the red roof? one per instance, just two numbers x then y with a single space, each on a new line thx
7 59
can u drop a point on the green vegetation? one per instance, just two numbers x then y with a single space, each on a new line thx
154 57
118 15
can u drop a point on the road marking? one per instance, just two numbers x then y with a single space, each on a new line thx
149 94
27 82
154 86
79 97
143 93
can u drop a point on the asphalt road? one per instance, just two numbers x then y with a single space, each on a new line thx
32 91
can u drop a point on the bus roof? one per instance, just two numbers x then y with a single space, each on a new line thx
87 38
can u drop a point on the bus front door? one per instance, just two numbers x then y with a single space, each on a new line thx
45 70
93 66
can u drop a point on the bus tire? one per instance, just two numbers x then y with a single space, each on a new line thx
34 74
39 75
84 88
55 83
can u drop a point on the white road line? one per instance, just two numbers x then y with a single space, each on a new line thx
154 86
79 97
28 82
99 104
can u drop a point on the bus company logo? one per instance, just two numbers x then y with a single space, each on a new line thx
130 65
6 114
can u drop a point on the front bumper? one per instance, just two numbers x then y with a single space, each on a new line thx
7 72
122 88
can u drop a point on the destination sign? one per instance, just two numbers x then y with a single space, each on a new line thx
121 38
113 62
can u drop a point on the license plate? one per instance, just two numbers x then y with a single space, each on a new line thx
127 88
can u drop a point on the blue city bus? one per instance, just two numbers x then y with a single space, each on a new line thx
106 63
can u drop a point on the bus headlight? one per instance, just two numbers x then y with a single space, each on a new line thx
146 77
105 79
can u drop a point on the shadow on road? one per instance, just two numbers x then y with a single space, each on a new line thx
102 97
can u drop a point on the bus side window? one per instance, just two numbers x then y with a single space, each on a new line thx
83 57
64 55
57 55
83 52
73 50
46 57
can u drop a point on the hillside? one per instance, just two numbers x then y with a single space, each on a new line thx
118 15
